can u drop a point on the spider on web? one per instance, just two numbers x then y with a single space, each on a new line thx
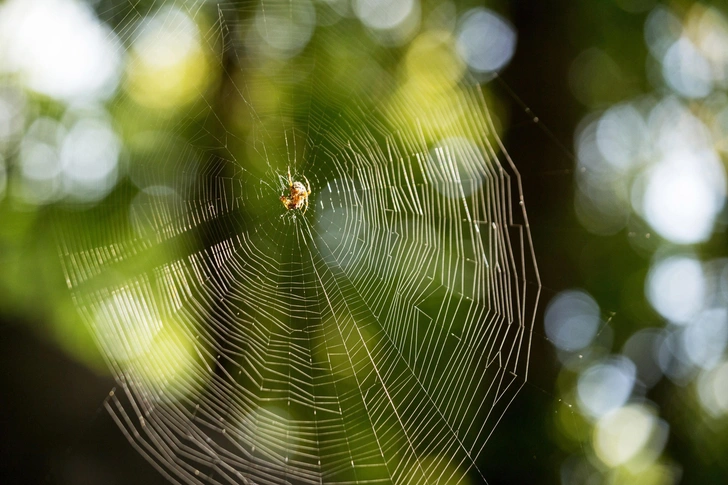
298 196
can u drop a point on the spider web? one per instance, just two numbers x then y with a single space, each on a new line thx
377 337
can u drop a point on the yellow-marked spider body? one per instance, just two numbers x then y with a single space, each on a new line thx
298 196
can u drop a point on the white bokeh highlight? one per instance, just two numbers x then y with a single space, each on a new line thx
286 31
89 157
620 135
384 14
686 71
706 336
485 40
713 390
59 48
165 39
631 435
676 288
605 386
572 319
683 195
78 162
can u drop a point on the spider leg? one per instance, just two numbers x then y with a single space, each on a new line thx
308 187
305 205
290 180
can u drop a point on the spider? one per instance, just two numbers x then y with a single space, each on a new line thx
298 194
